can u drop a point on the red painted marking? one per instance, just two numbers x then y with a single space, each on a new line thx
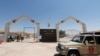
90 49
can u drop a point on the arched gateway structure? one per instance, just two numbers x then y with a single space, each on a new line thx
7 27
72 19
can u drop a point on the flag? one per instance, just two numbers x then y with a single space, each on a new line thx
48 24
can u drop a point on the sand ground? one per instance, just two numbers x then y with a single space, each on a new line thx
28 48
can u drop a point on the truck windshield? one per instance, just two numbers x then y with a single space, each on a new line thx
78 39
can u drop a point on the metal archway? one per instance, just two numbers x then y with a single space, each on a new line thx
7 26
73 19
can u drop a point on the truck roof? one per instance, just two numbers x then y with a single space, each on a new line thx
91 34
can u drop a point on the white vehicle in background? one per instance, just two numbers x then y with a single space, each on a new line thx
81 45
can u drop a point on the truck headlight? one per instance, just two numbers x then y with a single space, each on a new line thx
64 47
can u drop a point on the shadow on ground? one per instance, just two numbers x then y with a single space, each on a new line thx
57 55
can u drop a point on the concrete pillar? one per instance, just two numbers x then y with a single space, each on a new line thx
6 32
57 32
38 31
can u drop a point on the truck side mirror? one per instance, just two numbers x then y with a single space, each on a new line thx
86 42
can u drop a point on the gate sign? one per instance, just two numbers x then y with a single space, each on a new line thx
90 49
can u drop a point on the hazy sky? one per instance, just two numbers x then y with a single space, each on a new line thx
50 11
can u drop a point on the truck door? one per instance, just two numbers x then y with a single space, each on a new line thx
98 44
90 45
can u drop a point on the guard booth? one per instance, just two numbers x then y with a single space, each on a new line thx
48 35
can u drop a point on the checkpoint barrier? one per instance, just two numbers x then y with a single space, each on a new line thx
1 41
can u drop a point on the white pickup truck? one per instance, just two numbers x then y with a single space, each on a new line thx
85 44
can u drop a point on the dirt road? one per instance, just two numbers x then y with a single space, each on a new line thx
27 49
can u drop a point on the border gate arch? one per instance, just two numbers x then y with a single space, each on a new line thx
72 19
7 26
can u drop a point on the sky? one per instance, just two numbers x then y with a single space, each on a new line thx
52 12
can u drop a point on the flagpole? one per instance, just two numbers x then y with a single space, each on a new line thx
48 25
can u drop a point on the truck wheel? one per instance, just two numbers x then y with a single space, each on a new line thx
73 53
